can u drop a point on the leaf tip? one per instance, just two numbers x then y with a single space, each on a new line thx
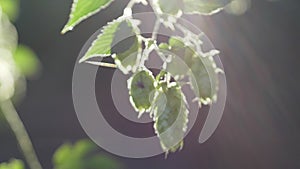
66 29
82 60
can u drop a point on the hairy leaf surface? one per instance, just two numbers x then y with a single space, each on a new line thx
204 79
82 9
200 68
170 116
126 47
101 47
179 57
170 7
141 87
118 39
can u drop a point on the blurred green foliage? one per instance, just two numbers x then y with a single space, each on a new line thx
11 8
13 164
82 155
17 61
26 60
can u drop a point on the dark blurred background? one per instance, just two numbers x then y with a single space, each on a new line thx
260 53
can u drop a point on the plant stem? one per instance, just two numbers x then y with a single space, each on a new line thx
131 3
155 29
102 64
21 134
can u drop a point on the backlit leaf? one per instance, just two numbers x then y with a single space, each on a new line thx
179 56
170 7
118 39
170 116
141 88
199 67
101 47
82 9
126 47
204 79
204 7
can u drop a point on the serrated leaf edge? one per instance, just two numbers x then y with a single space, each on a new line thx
86 57
129 82
186 111
68 28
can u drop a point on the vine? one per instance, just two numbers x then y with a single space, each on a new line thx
161 96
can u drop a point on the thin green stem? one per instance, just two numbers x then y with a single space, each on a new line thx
102 64
155 29
21 134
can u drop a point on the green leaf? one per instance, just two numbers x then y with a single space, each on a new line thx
126 47
170 116
120 40
82 155
204 7
13 164
10 8
179 57
82 9
26 61
204 79
101 47
200 68
164 46
170 7
141 88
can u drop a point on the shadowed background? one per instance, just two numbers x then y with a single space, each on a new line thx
260 53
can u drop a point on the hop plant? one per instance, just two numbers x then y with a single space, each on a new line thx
160 96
